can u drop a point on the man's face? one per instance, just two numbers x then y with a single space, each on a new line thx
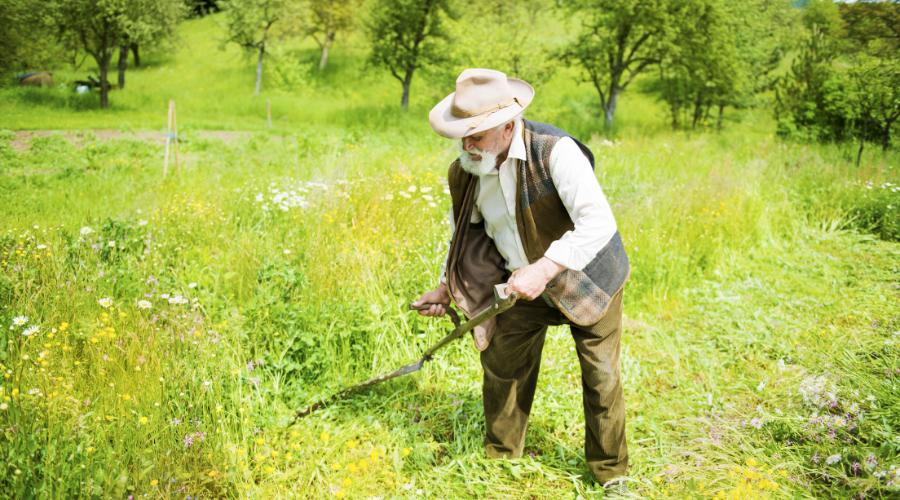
489 141
480 153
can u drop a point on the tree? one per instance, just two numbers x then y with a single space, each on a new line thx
326 19
25 43
151 23
876 82
722 56
873 26
813 100
98 26
250 25
824 15
406 35
619 40
519 44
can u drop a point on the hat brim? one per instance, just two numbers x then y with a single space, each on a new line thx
445 124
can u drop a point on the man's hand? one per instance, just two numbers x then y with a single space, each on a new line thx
439 295
531 280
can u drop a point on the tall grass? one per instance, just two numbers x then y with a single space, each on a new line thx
295 258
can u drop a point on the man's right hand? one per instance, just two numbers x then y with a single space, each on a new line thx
439 297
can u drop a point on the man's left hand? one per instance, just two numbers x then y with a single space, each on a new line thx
531 280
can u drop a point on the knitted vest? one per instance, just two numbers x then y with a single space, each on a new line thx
474 264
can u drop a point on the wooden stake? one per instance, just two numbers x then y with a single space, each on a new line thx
269 113
168 139
175 129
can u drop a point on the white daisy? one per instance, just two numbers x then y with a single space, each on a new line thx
86 231
41 247
20 320
111 244
192 285
164 296
142 223
144 304
105 302
31 330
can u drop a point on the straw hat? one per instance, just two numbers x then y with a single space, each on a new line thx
484 98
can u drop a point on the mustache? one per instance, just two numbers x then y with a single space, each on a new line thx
472 152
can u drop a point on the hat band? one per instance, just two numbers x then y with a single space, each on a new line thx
483 112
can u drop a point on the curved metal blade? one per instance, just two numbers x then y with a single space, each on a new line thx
403 370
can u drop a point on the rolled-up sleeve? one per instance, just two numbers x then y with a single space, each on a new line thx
583 198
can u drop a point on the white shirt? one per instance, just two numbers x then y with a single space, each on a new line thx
570 170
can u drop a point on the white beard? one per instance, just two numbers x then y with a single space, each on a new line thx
479 168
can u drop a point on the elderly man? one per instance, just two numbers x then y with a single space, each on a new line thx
527 209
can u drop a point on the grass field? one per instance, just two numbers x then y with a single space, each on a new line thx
175 325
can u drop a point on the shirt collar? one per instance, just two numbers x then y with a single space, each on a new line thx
517 147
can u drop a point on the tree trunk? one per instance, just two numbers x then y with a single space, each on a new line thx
610 108
324 57
698 111
329 38
123 65
862 141
262 52
404 102
137 56
886 144
104 83
719 120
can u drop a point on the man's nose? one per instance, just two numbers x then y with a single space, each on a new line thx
467 143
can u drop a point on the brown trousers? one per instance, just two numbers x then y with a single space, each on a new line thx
511 364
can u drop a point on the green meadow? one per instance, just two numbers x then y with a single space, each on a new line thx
159 334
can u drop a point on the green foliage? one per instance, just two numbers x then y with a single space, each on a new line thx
620 39
519 34
825 16
407 35
99 28
876 208
876 82
722 57
873 27
25 44
251 23
324 19
813 100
